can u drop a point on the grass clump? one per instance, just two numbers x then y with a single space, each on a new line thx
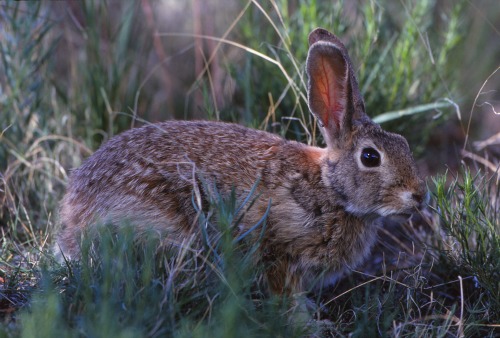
125 286
29 171
32 139
469 211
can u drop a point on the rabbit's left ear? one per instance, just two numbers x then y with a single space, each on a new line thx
333 93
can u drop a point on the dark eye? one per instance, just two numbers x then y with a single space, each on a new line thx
370 157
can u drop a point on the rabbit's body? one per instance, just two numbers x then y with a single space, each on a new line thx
147 175
325 203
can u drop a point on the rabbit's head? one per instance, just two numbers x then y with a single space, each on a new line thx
371 171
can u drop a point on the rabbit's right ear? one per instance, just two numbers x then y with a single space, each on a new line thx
333 93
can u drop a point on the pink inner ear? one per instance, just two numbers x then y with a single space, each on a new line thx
335 113
328 70
330 94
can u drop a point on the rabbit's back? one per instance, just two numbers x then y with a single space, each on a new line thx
147 175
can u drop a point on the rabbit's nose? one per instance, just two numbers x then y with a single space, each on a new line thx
421 198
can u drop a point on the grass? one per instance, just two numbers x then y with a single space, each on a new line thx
125 286
64 91
470 214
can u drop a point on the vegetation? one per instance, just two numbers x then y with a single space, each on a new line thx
74 74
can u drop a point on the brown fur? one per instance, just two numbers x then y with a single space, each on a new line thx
325 205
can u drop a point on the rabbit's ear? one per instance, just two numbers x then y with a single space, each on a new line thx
333 93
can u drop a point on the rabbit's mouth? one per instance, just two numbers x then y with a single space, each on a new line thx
382 211
412 210
402 211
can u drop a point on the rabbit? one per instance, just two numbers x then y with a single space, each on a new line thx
325 203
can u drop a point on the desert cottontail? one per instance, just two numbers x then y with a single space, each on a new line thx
326 203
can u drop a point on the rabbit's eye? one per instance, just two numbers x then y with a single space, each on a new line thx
370 157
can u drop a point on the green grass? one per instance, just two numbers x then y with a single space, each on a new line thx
124 286
470 214
64 91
